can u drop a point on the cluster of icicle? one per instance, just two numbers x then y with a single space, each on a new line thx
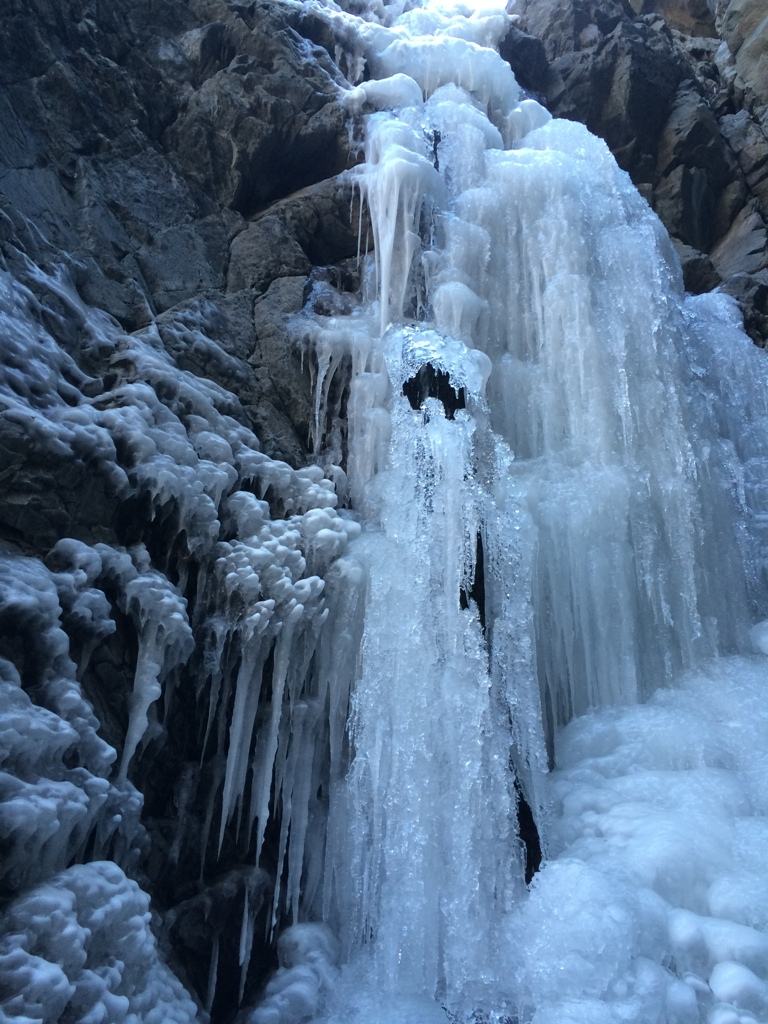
266 581
618 491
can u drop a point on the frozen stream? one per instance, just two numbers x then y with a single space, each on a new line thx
594 446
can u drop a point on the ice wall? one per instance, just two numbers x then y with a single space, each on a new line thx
571 414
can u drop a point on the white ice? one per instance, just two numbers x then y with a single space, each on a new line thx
267 544
612 460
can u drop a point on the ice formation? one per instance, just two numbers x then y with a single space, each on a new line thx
553 555
654 906
80 946
563 515
260 546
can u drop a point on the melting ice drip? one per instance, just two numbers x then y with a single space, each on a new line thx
618 495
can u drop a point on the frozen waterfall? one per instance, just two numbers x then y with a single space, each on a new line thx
469 713
533 403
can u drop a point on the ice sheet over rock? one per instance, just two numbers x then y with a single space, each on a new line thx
80 945
258 544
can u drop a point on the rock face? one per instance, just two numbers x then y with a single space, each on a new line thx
175 165
677 88
142 140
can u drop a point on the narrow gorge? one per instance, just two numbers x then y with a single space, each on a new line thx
384 512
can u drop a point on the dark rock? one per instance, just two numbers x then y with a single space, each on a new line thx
692 136
693 17
261 253
431 382
45 497
684 114
699 275
207 917
265 124
751 293
528 59
622 89
529 835
565 26
744 27
277 356
326 220
748 140
184 260
686 204
744 249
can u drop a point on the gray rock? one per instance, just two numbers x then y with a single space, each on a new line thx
564 26
748 140
266 123
683 112
751 293
693 17
44 496
528 59
262 252
745 248
622 88
743 25
276 355
193 924
699 275
184 260
695 166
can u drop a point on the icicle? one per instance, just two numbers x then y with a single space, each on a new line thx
246 944
165 640
213 973
265 754
247 692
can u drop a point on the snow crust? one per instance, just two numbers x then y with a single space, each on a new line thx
654 905
80 946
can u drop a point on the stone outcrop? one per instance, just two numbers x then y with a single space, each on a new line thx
148 142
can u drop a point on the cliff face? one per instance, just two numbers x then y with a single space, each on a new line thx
169 198
148 143
167 191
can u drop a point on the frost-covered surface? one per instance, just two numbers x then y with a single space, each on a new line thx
52 802
79 947
308 955
654 907
258 546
